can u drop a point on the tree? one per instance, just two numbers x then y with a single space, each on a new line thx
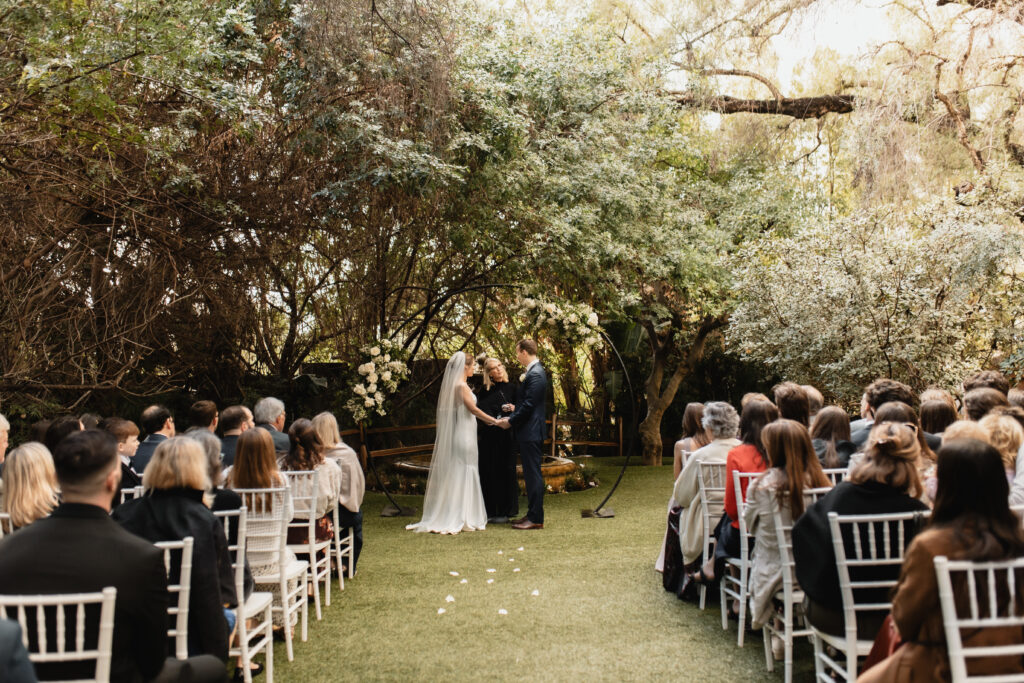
924 299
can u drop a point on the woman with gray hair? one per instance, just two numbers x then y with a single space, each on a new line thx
722 423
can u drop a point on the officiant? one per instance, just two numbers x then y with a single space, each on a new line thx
497 446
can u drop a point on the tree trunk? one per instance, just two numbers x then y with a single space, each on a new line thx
650 437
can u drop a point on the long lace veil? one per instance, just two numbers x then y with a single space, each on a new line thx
446 462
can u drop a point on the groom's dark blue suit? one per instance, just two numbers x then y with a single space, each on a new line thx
528 421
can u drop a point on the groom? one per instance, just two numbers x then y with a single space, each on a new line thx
528 419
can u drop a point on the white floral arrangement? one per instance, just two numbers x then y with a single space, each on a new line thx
379 377
574 323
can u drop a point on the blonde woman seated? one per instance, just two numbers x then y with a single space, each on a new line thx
353 482
30 484
1006 435
794 468
176 480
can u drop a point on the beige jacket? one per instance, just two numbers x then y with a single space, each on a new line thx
353 482
687 495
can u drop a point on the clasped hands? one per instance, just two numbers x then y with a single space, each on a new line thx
503 423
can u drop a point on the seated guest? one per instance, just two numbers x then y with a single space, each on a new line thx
15 666
127 435
37 432
938 394
353 481
30 484
747 457
79 549
1016 397
885 481
971 521
172 509
203 415
879 392
233 421
753 396
978 402
865 415
158 424
794 468
307 455
721 422
269 414
988 379
936 416
90 420
793 402
815 400
59 428
1006 436
830 437
5 431
692 438
256 468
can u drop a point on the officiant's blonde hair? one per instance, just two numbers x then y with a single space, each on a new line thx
487 371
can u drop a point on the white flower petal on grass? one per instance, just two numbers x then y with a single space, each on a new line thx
490 580
501 552
441 610
516 569
454 573
503 612
491 571
520 548
450 598
464 581
511 559
535 593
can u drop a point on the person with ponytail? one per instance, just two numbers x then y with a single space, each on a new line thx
971 521
794 469
306 454
884 481
694 436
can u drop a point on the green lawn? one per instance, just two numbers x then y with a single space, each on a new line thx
600 612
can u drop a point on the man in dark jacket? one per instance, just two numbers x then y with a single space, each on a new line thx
79 549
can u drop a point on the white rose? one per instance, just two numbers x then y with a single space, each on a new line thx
529 303
363 369
380 397
386 376
573 317
375 351
372 388
592 320
368 402
550 321
522 377
550 308
372 378
387 357
396 365
360 389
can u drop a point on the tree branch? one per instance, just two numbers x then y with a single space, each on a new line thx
797 107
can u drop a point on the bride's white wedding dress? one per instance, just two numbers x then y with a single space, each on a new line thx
454 501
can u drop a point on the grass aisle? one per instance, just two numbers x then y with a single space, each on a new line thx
601 613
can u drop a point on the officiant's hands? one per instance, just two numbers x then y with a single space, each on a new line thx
504 423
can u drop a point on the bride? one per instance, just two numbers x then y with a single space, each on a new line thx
453 501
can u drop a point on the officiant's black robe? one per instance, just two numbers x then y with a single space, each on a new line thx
497 454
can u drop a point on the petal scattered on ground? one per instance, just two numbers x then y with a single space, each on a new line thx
490 580
503 611
516 569
520 548
491 571
464 581
454 573
450 598
535 593
441 610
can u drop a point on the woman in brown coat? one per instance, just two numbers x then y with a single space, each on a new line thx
972 520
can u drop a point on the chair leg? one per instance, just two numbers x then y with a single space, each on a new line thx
286 610
769 660
269 616
316 585
328 579
724 602
819 663
305 613
743 607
